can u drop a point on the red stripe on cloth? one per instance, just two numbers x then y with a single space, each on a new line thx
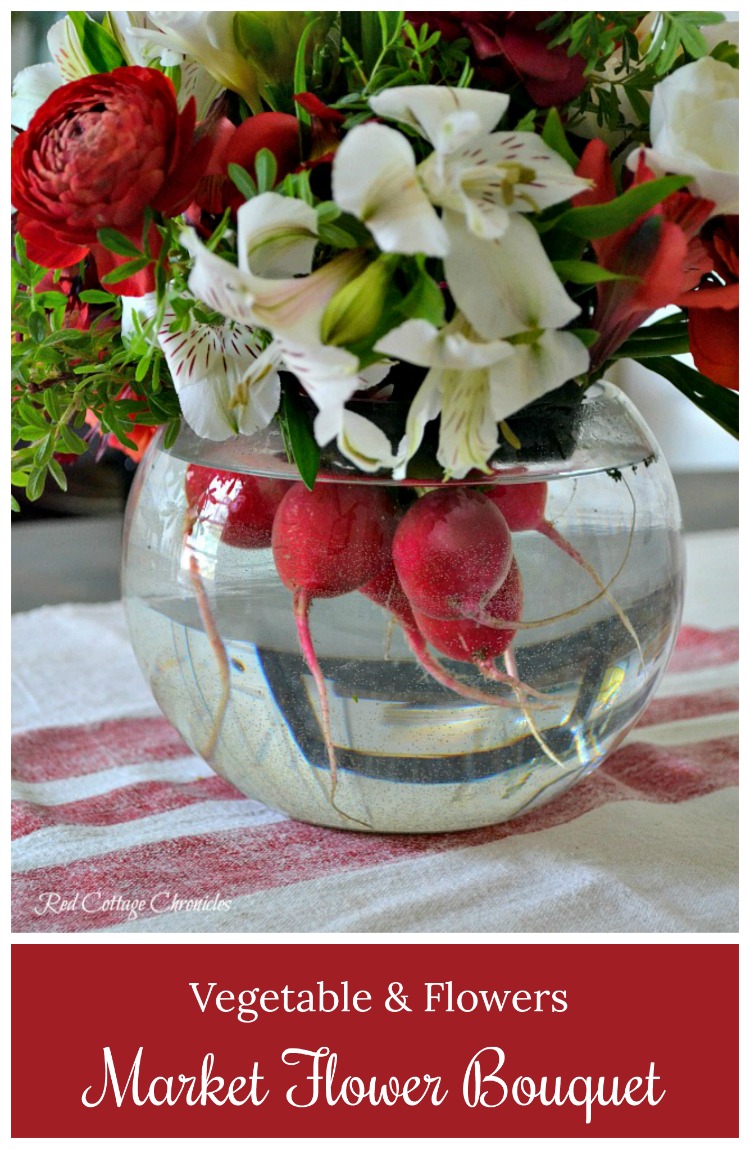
697 649
232 863
63 751
682 706
122 805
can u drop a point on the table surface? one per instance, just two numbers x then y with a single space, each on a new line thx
118 828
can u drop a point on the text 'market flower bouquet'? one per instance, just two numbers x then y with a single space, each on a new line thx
462 218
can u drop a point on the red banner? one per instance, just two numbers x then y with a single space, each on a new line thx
461 1040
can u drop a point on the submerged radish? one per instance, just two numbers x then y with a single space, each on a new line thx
465 640
523 506
452 551
328 542
242 505
386 591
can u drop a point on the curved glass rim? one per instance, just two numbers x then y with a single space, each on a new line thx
611 435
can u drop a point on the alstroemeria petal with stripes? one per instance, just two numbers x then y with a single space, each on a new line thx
375 179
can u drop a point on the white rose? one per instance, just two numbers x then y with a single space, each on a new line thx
695 130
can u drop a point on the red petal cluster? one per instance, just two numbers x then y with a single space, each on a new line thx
713 306
96 154
660 253
276 131
507 47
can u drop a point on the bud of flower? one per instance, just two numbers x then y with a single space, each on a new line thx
355 311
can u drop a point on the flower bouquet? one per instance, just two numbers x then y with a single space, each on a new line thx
388 257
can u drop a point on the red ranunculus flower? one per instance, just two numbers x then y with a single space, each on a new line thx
507 47
96 154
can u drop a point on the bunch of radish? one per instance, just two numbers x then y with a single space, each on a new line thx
443 567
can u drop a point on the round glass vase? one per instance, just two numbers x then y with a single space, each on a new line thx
417 738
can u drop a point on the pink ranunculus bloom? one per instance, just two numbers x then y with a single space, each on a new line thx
96 154
508 48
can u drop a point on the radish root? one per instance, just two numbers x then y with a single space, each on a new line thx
217 646
302 602
512 669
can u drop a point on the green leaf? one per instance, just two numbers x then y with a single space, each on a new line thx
584 272
37 327
719 403
553 134
600 220
265 170
98 46
94 296
35 485
125 270
58 474
117 242
299 438
242 180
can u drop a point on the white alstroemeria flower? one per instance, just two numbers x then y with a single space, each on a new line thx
33 85
276 236
227 384
444 116
331 376
483 174
475 385
505 286
375 178
291 309
695 130
208 39
141 43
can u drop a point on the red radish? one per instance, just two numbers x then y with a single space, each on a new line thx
328 542
523 505
243 505
452 551
468 641
386 590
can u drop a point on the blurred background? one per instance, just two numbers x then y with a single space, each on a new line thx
66 547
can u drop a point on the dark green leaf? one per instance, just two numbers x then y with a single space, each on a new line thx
35 485
299 438
58 474
37 327
721 404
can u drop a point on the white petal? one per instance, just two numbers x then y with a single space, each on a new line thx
374 178
468 425
425 406
417 341
428 107
505 286
65 49
534 369
31 88
225 383
364 443
289 308
276 236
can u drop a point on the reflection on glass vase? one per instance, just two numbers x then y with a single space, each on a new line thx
410 656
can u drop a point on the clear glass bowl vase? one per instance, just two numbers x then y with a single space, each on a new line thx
375 727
